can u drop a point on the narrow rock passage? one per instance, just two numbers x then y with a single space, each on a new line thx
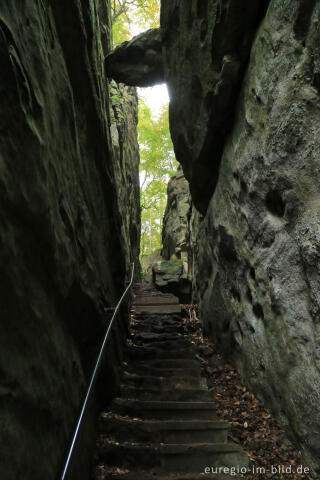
164 423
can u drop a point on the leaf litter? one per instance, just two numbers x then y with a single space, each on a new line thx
251 425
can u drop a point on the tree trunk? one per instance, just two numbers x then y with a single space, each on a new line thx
150 238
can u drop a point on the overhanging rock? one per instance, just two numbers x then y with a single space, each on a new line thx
138 62
206 46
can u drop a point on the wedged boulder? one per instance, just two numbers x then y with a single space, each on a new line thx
138 62
171 276
206 46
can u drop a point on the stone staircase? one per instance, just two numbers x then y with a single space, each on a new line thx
164 424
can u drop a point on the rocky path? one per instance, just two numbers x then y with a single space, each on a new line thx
164 423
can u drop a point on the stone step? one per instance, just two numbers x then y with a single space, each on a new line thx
169 458
168 363
157 321
152 337
155 328
145 353
165 420
144 381
155 300
177 394
166 410
104 474
163 371
161 309
170 431
165 344
148 289
156 318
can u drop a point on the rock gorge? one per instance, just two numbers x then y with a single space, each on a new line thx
244 116
244 83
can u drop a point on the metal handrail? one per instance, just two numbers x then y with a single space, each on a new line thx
93 377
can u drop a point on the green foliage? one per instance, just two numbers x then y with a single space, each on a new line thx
121 31
158 162
147 14
143 14
157 165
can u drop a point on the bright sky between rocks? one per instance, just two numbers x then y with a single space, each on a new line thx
155 97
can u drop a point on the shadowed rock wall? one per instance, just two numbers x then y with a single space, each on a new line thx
257 249
247 128
68 211
206 46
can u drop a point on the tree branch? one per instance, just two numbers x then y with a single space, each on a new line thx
123 7
146 207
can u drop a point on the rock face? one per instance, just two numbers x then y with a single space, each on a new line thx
124 119
172 271
171 276
66 220
139 61
146 265
175 232
206 46
257 250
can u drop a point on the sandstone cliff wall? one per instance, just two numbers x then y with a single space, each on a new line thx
244 85
256 246
68 213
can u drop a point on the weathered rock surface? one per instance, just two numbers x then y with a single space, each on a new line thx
258 248
171 276
206 46
64 226
139 61
174 273
175 232
125 148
